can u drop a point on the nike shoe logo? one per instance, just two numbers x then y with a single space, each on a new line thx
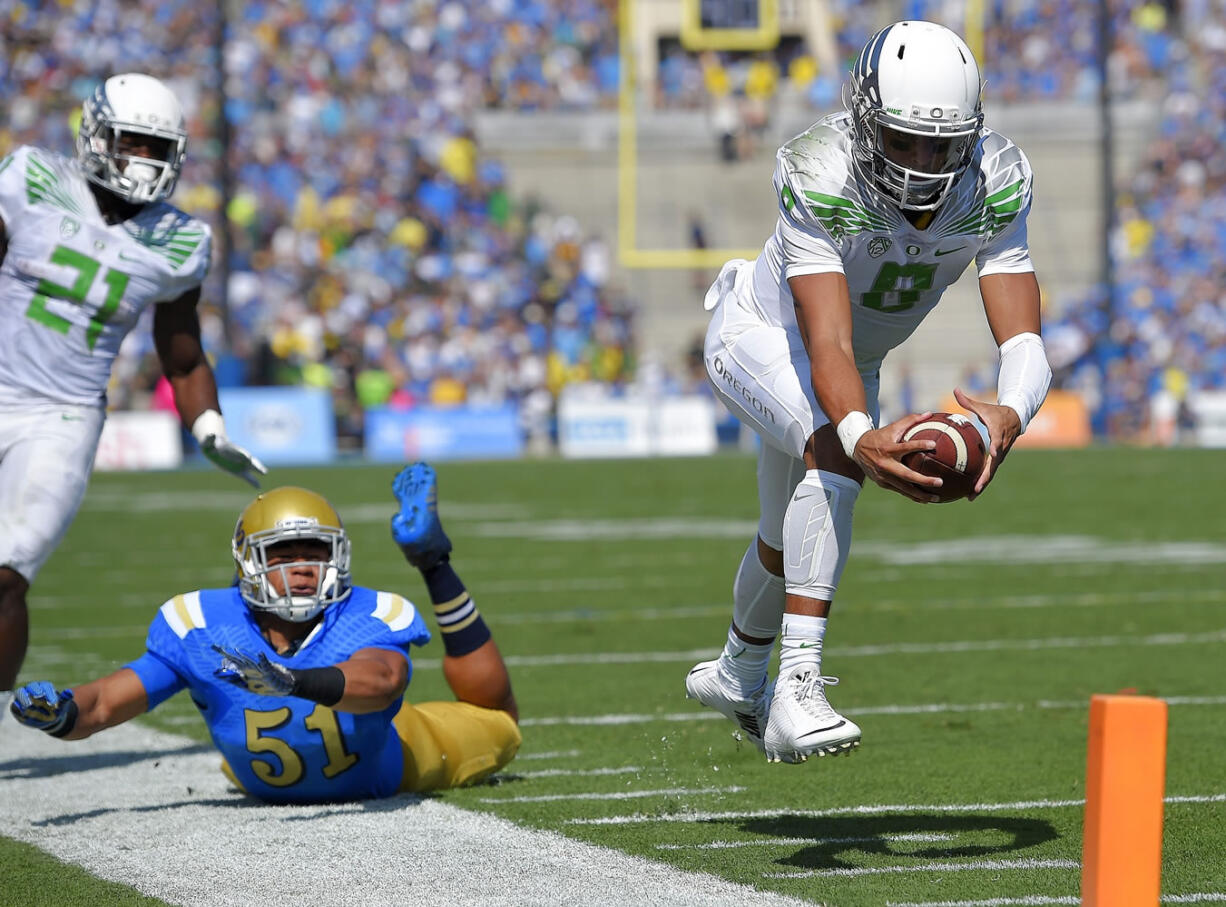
822 730
948 251
748 723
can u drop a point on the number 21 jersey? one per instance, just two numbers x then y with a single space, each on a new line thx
72 286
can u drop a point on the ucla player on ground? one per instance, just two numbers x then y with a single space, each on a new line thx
86 246
881 208
299 674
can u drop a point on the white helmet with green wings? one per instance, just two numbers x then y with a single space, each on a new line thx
132 138
916 101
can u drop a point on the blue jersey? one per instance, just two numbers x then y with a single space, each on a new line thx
283 748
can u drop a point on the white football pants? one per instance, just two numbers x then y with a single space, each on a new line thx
46 457
761 373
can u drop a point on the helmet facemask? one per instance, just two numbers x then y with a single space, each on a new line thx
254 546
914 165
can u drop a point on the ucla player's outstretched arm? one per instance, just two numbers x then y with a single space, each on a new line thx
823 314
79 712
176 334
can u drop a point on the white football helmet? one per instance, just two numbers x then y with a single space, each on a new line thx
916 101
285 515
134 106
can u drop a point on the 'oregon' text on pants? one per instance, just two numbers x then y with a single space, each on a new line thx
735 383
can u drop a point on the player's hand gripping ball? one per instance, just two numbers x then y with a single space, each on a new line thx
957 459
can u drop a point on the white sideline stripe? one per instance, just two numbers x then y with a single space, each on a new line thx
1042 900
618 795
930 708
873 810
975 866
804 842
898 648
110 804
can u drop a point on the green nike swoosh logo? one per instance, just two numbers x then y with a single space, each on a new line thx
948 251
740 653
807 645
68 418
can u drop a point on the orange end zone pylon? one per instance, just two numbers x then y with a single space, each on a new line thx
1121 859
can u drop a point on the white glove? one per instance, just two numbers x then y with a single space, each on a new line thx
210 431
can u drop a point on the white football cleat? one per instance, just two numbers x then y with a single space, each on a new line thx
703 684
803 723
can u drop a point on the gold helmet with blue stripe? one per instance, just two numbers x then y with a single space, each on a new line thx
287 515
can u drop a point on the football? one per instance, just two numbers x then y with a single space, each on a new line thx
957 459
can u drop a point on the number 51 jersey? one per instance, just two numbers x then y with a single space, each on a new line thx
72 286
283 748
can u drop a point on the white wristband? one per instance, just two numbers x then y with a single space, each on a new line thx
853 427
208 423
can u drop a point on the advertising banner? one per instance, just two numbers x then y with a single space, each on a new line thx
281 425
138 441
443 433
596 425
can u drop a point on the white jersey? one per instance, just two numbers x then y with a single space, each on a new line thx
73 286
830 221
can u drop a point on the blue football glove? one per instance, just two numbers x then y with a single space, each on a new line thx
40 705
257 675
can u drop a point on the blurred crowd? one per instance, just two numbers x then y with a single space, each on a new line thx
1032 51
373 248
1138 353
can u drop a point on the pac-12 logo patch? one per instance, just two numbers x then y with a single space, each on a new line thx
878 246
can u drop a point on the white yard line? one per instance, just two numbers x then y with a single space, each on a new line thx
618 795
874 809
869 651
973 866
920 837
111 803
928 708
576 772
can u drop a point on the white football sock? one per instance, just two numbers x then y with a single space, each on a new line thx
742 666
757 597
801 642
6 696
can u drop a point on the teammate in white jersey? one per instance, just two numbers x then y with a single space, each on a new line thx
86 245
881 208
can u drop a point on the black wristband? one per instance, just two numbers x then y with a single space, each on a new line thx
67 722
323 685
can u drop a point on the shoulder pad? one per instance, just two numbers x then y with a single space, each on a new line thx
184 241
183 613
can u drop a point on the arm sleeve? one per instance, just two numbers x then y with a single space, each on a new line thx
1008 251
159 679
807 247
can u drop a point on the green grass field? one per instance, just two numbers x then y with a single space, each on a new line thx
968 639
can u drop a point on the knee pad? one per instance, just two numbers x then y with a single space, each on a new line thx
817 533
